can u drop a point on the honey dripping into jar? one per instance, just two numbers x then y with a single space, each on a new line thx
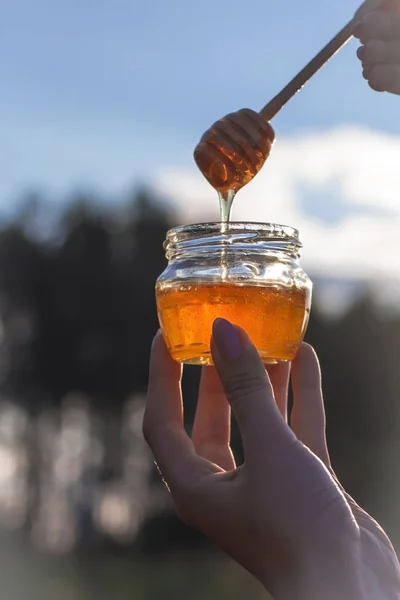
230 154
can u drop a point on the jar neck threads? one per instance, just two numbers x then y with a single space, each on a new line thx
249 238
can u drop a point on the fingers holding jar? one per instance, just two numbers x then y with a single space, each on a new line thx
378 29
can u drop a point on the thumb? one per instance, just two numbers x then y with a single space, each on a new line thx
248 390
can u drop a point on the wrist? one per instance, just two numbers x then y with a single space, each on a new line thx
328 574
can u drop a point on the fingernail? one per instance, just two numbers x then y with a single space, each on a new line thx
360 52
227 340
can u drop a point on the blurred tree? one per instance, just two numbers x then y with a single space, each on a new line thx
21 263
96 308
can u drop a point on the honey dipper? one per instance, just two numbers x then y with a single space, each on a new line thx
236 147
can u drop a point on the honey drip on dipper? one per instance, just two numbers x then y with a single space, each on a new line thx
232 152
235 148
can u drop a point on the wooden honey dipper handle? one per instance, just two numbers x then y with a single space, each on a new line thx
274 106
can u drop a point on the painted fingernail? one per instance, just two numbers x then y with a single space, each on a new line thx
361 52
227 340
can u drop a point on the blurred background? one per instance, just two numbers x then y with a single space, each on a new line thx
101 106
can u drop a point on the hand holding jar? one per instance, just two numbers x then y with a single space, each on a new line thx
378 29
282 514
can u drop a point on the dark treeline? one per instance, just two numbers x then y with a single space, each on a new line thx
78 315
77 309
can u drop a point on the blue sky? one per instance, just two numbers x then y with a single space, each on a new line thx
103 93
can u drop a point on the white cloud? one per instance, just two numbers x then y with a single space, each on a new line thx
340 188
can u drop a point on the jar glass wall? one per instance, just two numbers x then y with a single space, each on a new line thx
249 274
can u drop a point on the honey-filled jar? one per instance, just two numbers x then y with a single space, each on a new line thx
248 273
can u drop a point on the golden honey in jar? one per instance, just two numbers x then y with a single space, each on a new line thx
247 273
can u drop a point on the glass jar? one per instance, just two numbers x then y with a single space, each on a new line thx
247 273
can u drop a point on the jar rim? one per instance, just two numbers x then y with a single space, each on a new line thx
268 229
